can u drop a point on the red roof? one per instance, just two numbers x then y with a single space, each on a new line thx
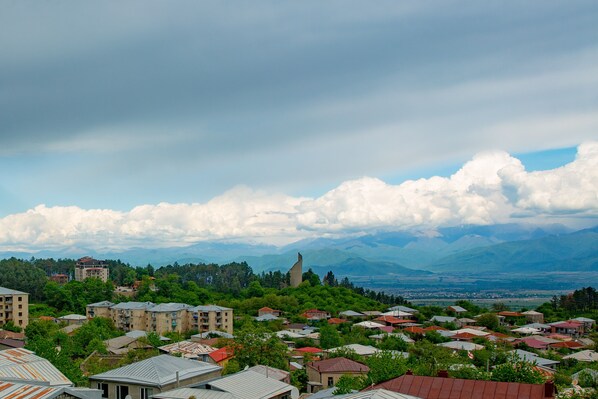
415 330
336 320
534 343
506 313
567 344
309 349
464 335
393 320
456 388
338 365
568 324
265 309
435 328
222 354
387 329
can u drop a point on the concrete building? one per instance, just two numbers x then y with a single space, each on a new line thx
163 318
148 377
88 267
211 317
14 306
297 272
168 317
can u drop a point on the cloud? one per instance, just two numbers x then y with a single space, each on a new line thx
491 188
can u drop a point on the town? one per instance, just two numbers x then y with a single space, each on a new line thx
276 336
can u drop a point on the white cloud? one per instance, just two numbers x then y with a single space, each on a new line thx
490 188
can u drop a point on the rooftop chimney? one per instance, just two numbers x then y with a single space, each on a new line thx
549 389
443 373
409 372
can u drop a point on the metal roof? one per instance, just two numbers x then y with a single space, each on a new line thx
22 364
363 350
533 358
103 304
438 387
443 319
249 384
188 348
209 308
133 305
351 313
213 332
170 307
157 371
461 345
186 393
338 365
8 291
73 317
270 372
16 390
376 394
403 309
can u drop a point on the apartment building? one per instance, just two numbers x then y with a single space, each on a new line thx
165 317
211 317
88 267
14 306
129 316
168 317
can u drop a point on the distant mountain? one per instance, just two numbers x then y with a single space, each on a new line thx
359 267
576 251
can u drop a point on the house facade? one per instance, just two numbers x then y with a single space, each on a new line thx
88 267
326 373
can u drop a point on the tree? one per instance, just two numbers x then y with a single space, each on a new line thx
488 320
516 370
329 337
347 384
385 365
329 279
255 345
313 278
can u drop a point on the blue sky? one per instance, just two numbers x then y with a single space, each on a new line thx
117 105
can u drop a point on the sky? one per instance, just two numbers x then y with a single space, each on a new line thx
152 123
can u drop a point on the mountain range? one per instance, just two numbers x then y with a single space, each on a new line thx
463 249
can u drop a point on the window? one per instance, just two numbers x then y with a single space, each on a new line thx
122 391
330 381
20 299
20 306
20 314
146 393
102 386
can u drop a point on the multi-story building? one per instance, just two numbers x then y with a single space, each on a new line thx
59 278
130 316
88 267
164 317
14 306
211 317
99 309
168 317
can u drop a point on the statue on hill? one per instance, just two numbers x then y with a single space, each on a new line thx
297 272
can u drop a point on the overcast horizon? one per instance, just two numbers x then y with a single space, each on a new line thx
157 124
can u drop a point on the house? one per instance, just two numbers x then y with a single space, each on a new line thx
211 334
350 313
271 372
315 314
443 319
399 314
461 346
535 359
167 317
60 279
404 309
465 321
27 366
544 328
154 375
587 356
335 320
11 344
369 325
71 319
99 309
250 384
326 373
531 316
123 344
22 390
267 317
373 394
456 309
570 328
266 310
189 350
361 350
441 387
222 356
14 306
380 337
588 324
186 393
392 321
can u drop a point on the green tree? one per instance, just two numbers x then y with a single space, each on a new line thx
516 370
329 337
348 384
488 320
255 345
385 365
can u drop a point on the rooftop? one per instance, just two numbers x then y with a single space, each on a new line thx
157 371
8 291
456 388
338 365
250 384
25 365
